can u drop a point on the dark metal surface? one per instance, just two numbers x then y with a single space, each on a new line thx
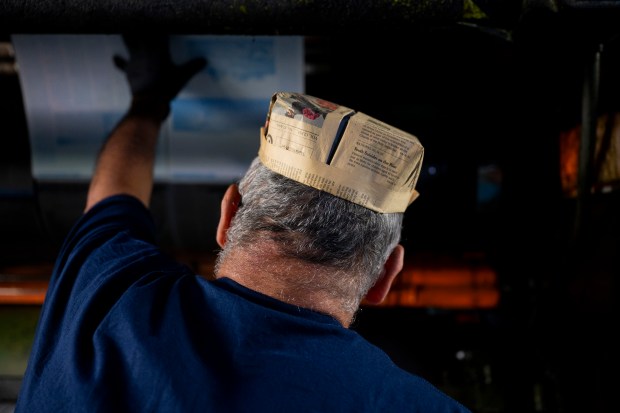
223 16
302 17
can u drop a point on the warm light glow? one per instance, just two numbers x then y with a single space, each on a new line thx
606 160
23 292
452 287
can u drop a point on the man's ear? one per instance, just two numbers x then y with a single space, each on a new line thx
393 265
228 209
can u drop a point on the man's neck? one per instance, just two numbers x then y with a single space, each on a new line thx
263 269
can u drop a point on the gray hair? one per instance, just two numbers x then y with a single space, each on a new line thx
316 227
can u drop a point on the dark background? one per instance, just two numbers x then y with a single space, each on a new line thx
480 83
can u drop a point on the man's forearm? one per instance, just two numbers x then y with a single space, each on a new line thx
125 163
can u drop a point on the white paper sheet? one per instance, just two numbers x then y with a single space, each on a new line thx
74 95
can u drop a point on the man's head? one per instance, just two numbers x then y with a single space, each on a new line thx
317 218
349 242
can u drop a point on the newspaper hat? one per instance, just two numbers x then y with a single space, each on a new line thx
337 150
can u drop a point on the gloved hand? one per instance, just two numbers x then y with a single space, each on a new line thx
152 76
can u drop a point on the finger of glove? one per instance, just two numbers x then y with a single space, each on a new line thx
152 48
120 62
188 70
149 63
182 74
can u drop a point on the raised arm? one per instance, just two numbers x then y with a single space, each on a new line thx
125 163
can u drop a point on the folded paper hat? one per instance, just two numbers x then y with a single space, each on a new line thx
345 153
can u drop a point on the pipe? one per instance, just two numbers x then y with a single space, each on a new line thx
269 17
589 115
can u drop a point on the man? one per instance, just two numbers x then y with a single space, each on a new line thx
125 328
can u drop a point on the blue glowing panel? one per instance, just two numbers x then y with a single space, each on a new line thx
74 95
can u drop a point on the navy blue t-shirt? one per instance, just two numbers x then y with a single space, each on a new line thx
125 328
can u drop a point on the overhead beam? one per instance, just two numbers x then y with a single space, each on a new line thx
305 17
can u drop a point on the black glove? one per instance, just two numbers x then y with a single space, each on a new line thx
152 76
